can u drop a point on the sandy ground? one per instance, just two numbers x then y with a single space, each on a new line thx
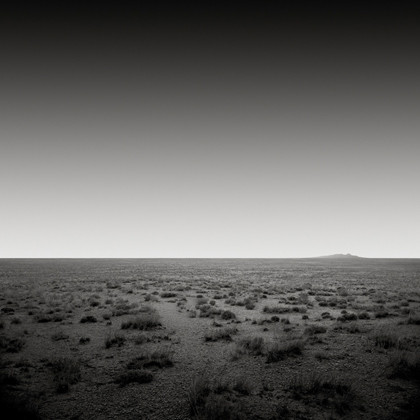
355 326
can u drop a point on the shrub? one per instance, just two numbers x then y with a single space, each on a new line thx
66 372
228 315
138 376
280 351
88 319
329 391
413 320
347 317
212 401
60 335
11 345
251 345
220 334
141 339
276 309
159 359
114 340
315 329
84 340
168 295
142 322
387 340
405 366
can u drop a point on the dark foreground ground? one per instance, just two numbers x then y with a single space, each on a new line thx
209 339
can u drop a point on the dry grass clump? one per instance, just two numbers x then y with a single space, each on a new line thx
315 329
388 340
254 346
11 345
59 335
123 307
139 376
276 309
345 317
159 359
66 372
283 309
145 321
209 400
151 298
413 319
224 333
226 315
279 351
115 339
324 390
168 295
88 319
404 365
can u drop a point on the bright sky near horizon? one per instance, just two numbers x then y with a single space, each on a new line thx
268 141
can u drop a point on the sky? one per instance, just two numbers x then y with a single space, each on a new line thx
221 133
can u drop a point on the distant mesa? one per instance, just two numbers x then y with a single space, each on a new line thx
340 256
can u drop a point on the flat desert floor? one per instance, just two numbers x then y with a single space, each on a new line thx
209 339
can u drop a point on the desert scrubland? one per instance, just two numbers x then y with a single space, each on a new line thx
210 339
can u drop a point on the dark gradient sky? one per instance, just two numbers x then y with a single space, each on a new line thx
223 134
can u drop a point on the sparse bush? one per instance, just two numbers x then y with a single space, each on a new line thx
88 319
347 317
251 345
413 320
144 322
228 315
114 340
276 309
159 358
60 335
315 329
329 391
381 314
220 334
405 366
279 351
141 339
387 340
168 295
210 401
363 315
84 340
139 376
66 372
11 345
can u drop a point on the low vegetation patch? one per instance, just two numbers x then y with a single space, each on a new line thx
11 345
139 376
146 321
279 351
315 329
405 365
217 399
88 319
159 359
224 333
325 391
66 372
114 340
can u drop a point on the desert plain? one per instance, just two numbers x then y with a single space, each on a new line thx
316 338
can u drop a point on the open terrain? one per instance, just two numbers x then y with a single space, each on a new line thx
322 338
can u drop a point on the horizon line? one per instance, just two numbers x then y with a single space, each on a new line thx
333 256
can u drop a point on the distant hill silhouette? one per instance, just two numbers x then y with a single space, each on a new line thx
340 256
